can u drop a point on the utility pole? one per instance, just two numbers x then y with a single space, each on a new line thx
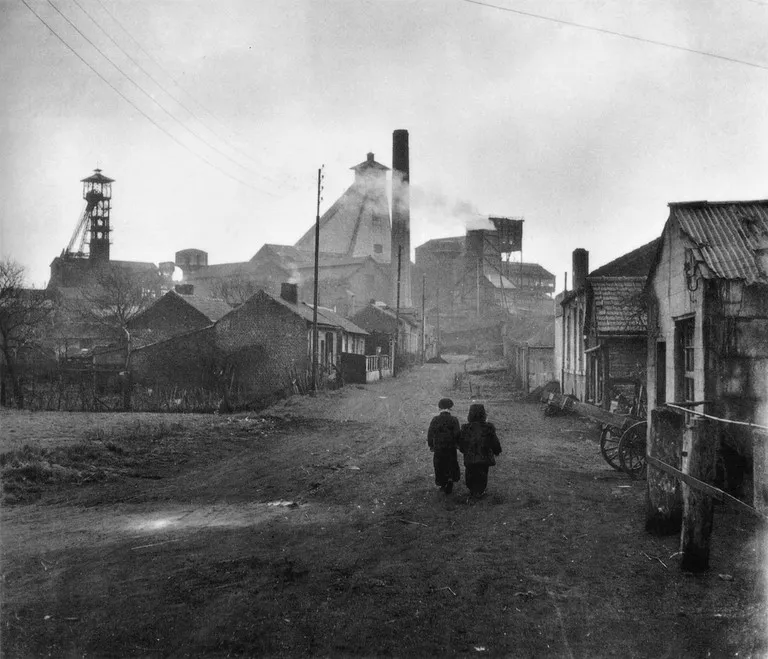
437 329
423 317
397 314
317 258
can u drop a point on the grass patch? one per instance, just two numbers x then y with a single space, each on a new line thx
102 455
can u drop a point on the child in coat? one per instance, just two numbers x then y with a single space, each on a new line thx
480 445
442 438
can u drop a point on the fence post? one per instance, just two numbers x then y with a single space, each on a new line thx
699 459
760 464
664 509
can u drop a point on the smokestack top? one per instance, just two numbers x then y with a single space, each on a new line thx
289 292
580 267
400 155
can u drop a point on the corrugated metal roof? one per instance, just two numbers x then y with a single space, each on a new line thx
728 236
617 305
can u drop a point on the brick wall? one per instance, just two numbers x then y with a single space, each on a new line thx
169 316
186 361
266 342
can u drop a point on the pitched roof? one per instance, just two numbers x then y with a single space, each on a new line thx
212 308
729 236
332 318
286 253
97 177
636 263
220 270
356 221
617 304
324 316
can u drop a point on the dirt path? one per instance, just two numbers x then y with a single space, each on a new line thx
325 536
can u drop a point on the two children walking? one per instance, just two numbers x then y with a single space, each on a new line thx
476 439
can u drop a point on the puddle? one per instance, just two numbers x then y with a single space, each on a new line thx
216 516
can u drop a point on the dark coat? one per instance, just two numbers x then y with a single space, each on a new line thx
479 443
443 434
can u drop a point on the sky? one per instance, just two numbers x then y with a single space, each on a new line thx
214 118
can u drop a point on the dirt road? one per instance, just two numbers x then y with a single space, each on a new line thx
314 529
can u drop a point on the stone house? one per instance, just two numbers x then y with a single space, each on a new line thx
600 328
260 349
381 323
615 325
708 328
177 312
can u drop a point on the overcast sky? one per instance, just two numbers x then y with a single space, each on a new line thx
585 134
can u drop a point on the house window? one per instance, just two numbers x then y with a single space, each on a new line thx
580 340
661 373
686 360
378 249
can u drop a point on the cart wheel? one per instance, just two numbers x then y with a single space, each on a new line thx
609 446
632 450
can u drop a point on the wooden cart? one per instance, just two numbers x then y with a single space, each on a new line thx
622 436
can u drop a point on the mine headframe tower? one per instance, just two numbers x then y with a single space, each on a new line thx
93 223
483 281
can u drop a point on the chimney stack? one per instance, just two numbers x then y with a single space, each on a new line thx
184 289
580 267
289 292
401 216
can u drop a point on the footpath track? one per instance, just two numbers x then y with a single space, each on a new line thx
325 536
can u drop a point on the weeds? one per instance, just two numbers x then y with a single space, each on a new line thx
100 456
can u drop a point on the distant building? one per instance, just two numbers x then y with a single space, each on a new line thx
354 264
357 224
468 275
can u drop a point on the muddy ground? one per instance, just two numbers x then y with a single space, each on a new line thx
314 529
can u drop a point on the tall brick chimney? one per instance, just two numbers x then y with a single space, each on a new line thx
401 217
580 267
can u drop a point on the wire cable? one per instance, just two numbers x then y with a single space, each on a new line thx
142 90
138 109
177 85
165 91
623 35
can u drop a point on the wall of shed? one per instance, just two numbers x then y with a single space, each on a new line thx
187 362
270 342
672 301
530 366
731 360
170 316
573 367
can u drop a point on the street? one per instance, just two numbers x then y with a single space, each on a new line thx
314 528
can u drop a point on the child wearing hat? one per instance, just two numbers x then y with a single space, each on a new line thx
442 438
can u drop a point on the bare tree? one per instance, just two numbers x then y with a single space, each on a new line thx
113 296
111 299
23 314
236 289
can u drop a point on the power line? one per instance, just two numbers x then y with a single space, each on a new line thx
142 90
623 35
135 107
176 84
164 90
